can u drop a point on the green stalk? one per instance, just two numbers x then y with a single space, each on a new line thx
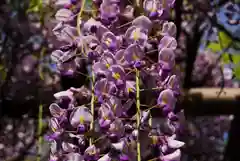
138 113
92 106
40 126
79 17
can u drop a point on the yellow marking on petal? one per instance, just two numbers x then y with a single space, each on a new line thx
136 34
92 152
134 56
130 90
105 117
116 76
165 99
54 129
114 106
81 119
108 65
154 140
108 41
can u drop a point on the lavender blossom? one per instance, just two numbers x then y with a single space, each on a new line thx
120 67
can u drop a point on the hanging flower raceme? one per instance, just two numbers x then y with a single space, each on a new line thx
112 123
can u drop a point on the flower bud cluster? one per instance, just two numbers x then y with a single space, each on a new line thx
98 125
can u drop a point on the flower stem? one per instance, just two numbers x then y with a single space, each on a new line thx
79 17
92 105
138 113
40 139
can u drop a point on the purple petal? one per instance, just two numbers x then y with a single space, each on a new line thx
109 11
169 28
167 42
106 157
166 98
143 22
64 15
100 69
68 147
74 157
133 53
175 156
80 115
109 41
116 106
56 111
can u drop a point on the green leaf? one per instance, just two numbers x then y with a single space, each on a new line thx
236 58
225 58
236 71
215 47
225 39
35 6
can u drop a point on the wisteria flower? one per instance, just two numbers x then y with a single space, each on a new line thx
103 88
176 156
133 54
106 157
119 57
109 41
106 116
143 22
81 118
58 112
116 129
167 42
91 153
173 84
59 56
166 100
102 67
56 128
66 98
154 8
69 147
115 105
130 87
74 157
175 144
109 12
136 35
169 29
64 15
67 34
117 75
91 47
166 59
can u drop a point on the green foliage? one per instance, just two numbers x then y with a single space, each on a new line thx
35 6
236 71
226 42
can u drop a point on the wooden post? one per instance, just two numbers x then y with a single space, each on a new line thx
206 101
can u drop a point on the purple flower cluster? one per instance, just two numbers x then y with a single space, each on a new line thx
97 125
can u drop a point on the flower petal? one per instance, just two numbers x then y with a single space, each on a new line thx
64 15
175 156
55 110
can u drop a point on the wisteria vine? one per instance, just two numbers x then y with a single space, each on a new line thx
108 120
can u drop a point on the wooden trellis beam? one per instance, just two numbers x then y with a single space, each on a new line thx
208 101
